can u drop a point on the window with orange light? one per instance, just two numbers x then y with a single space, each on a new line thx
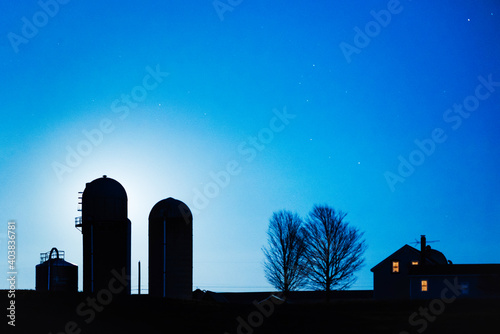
424 285
414 263
395 266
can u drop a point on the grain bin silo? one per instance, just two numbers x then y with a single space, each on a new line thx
55 274
106 236
171 250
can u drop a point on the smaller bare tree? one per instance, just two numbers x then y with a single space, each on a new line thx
334 249
285 264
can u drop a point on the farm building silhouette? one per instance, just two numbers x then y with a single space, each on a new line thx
408 273
426 274
106 232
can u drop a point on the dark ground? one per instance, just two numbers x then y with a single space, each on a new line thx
52 313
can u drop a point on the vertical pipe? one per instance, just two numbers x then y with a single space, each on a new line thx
48 278
91 258
50 264
164 254
139 271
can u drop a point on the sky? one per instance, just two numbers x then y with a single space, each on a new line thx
386 110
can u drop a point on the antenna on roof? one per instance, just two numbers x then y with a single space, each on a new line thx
416 242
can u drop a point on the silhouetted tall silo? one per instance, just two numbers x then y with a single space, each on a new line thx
106 236
171 250
55 274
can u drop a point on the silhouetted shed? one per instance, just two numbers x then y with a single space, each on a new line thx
55 274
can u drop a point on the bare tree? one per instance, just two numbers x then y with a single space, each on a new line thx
285 264
334 249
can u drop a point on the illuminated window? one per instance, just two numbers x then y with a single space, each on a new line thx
414 263
395 266
424 285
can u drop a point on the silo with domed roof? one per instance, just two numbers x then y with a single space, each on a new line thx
171 250
106 237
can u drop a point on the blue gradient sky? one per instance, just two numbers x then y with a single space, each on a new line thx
353 120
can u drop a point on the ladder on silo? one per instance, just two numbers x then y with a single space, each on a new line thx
78 220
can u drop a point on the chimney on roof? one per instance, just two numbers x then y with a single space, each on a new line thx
422 249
